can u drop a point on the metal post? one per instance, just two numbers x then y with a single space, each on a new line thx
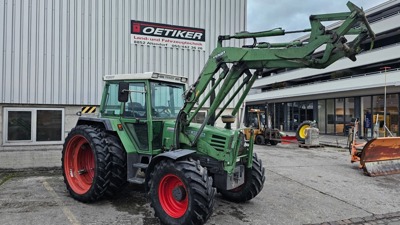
267 122
384 109
384 103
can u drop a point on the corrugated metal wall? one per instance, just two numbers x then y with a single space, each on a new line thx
56 51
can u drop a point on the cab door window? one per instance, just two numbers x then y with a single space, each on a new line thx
135 115
136 105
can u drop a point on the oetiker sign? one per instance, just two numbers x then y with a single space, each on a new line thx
165 35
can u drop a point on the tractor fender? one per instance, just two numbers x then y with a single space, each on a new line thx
174 155
95 122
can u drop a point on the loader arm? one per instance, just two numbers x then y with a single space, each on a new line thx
234 63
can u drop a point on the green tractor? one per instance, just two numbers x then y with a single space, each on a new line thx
145 133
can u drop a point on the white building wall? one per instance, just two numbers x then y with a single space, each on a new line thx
56 51
363 59
368 84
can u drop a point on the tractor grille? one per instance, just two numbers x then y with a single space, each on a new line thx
242 148
218 142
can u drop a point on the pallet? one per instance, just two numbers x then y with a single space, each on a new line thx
310 146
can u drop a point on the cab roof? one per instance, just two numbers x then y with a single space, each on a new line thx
147 76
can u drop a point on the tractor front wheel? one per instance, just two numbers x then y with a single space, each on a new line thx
85 163
253 184
181 192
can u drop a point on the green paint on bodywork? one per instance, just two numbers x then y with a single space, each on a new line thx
124 137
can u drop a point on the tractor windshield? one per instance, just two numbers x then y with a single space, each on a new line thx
166 99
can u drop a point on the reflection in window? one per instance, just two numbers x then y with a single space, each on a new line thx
366 122
48 125
289 108
136 105
392 110
19 125
330 112
112 105
348 115
339 112
377 117
321 116
392 113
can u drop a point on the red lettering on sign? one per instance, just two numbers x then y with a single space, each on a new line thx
136 27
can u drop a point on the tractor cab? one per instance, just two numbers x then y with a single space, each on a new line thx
142 102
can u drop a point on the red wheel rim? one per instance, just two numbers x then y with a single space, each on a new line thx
79 164
173 206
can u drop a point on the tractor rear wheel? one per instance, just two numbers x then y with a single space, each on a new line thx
181 192
253 183
85 163
117 152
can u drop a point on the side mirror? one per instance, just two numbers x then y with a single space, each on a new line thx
123 91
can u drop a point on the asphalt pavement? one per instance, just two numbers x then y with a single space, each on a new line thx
303 186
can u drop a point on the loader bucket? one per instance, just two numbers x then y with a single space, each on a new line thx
381 156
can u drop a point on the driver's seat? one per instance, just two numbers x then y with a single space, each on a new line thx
134 109
135 106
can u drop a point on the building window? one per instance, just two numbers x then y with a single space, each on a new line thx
366 122
322 116
199 117
339 116
330 112
392 114
289 114
33 126
349 115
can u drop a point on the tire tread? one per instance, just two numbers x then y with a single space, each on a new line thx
101 181
200 185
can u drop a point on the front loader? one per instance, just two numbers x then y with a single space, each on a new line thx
146 134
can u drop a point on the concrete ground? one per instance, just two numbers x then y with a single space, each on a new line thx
303 186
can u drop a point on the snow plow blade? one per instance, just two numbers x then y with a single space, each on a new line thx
381 156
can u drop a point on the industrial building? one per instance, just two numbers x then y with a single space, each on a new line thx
53 55
346 90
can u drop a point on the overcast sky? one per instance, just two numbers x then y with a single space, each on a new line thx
293 15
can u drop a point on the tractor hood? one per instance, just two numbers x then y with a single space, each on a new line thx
220 143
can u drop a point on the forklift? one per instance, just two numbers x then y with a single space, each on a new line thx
263 132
